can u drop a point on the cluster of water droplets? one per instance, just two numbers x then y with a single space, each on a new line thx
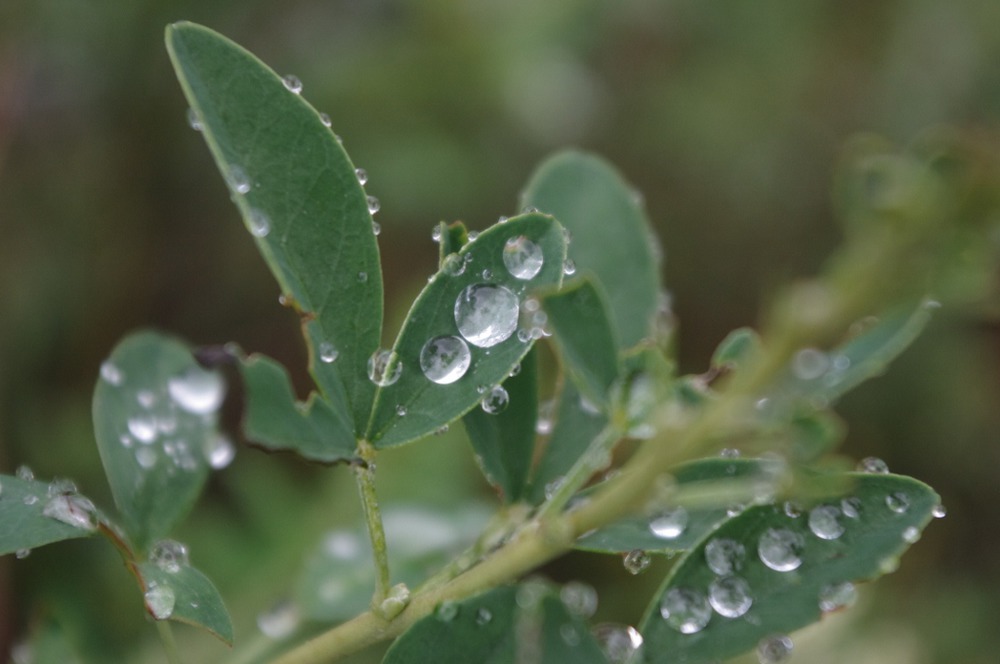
65 504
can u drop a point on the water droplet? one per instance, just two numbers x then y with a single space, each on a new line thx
729 453
1 488
543 425
486 314
810 363
773 649
939 512
292 84
279 621
837 596
898 502
873 465
619 643
636 561
569 635
325 119
473 236
453 265
851 507
579 598
362 277
792 511
446 611
824 522
502 219
888 565
669 524
30 499
73 510
376 228
111 373
569 267
197 391
362 175
735 509
146 457
725 556
328 352
529 209
400 410
384 367
436 233
21 554
496 400
258 222
730 596
443 360
143 428
169 555
522 257
238 179
685 610
25 473
193 121
160 601
486 274
219 451
780 548
911 534
373 205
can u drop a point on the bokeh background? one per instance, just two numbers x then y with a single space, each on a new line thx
729 116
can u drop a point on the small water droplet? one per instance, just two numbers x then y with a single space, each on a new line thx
376 228
325 119
725 556
780 548
473 236
362 175
729 453
579 598
529 209
569 635
486 274
30 499
898 502
328 352
146 457
483 616
362 277
686 610
258 222
522 257
238 179
436 233
911 534
443 360
400 410
773 649
496 400
197 391
384 367
486 314
873 465
792 510
373 205
160 601
143 428
502 219
837 596
569 267
193 121
824 522
636 561
543 425
145 398
111 373
169 555
280 621
851 507
72 509
730 596
292 84
219 451
810 364
939 512
670 524
446 611
25 473
60 487
619 643
21 554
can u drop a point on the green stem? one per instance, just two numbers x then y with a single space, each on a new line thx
592 460
365 476
169 643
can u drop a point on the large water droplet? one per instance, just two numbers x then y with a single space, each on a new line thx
824 522
160 601
873 465
496 400
443 360
197 391
636 561
143 428
810 364
384 367
898 502
725 556
169 555
238 179
619 643
773 649
730 596
837 596
258 222
111 373
292 84
669 524
486 314
73 510
522 257
219 451
328 352
279 621
780 548
685 610
579 598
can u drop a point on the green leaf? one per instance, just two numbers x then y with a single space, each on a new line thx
505 442
276 421
611 236
695 521
451 238
272 146
501 626
155 412
414 405
195 600
783 601
738 346
24 524
339 576
586 338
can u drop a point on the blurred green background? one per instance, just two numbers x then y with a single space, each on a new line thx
729 116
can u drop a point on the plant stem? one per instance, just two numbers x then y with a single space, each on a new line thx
365 475
590 461
169 644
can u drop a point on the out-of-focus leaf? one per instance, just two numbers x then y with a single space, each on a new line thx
469 315
738 345
185 595
611 236
718 611
30 517
505 442
289 175
155 412
275 420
